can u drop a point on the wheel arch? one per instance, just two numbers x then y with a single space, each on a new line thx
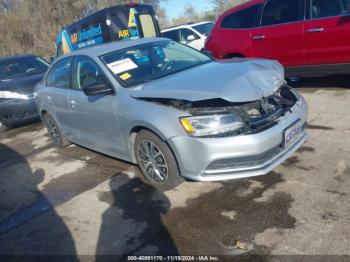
138 128
234 55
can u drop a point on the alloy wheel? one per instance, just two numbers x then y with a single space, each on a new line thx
52 129
153 162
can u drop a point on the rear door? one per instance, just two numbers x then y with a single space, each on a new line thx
327 32
280 36
58 83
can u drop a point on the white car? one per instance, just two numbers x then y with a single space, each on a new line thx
193 35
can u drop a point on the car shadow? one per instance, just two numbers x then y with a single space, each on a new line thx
132 225
338 81
29 224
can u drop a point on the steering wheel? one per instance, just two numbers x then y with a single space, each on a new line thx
167 65
30 70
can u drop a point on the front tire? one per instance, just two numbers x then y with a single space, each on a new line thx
54 132
156 161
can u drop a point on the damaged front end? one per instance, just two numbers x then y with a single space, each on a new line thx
250 117
15 111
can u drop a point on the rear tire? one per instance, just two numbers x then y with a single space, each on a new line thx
230 56
54 132
156 161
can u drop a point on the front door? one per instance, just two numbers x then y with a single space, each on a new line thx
280 36
190 38
94 116
327 32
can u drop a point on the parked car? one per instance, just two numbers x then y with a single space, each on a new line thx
18 76
193 34
120 22
309 37
174 111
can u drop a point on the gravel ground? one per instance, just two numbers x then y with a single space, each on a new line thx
73 201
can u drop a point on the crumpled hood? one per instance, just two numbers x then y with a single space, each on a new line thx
234 80
22 85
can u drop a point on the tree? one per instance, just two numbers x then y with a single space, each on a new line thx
32 26
221 6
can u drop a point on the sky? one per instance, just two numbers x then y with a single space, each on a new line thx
174 8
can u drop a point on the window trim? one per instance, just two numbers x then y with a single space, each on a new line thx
308 18
74 71
303 18
54 66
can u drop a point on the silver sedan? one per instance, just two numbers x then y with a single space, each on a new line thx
175 112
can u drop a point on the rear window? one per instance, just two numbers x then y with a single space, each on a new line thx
242 19
204 29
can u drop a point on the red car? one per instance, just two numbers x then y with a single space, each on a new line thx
309 37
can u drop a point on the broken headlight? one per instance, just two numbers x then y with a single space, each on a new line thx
211 125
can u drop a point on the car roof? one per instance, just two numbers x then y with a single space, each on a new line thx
109 10
19 56
184 26
102 49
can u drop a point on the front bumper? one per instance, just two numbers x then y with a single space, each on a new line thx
217 159
15 111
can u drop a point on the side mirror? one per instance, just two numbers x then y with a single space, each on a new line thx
191 38
97 89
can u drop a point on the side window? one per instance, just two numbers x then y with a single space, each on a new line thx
173 35
241 19
326 8
87 73
147 24
185 33
59 75
282 11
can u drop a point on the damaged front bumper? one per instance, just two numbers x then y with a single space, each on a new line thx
225 158
16 111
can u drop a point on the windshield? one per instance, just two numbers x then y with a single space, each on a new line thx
19 67
204 29
144 63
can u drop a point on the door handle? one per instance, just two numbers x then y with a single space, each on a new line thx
315 30
49 100
73 104
259 37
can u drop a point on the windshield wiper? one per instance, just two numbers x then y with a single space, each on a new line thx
145 81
